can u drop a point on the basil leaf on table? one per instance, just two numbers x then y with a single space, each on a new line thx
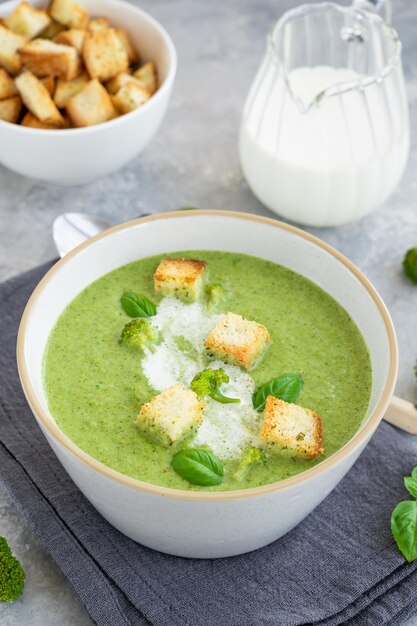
404 528
286 387
198 466
411 485
136 305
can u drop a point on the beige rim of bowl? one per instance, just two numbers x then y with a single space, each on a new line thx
364 431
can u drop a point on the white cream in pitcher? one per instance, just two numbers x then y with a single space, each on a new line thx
317 159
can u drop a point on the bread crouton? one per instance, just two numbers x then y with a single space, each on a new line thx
10 109
237 340
113 85
52 30
32 122
9 46
73 37
69 13
90 106
130 97
147 75
121 80
104 54
27 21
98 23
37 100
66 89
288 426
49 83
7 86
171 415
181 278
132 55
47 58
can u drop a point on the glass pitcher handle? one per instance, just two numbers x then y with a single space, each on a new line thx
382 7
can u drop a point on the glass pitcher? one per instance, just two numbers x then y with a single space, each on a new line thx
324 136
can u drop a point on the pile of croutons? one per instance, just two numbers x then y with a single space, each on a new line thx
61 69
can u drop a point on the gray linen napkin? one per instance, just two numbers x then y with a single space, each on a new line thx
340 566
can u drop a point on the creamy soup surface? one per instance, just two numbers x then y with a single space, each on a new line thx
95 387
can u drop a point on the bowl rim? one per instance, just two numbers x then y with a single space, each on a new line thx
361 435
158 95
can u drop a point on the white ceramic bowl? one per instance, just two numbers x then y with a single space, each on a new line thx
198 524
81 155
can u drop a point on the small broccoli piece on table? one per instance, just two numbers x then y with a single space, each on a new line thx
249 457
207 383
12 576
410 264
139 333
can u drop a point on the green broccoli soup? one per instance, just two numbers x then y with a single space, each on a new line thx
207 370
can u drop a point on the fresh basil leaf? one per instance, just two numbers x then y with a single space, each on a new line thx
136 305
411 485
286 387
404 528
198 466
414 473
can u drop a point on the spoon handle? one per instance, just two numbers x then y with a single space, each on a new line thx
403 414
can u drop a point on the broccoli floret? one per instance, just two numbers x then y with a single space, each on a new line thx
139 333
215 293
207 383
249 457
12 576
410 264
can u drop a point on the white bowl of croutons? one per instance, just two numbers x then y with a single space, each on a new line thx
166 509
84 86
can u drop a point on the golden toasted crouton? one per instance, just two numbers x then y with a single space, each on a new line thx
27 21
104 54
98 23
288 426
113 85
147 75
47 58
10 109
37 100
90 106
52 30
237 340
181 278
73 37
49 83
130 97
121 80
171 415
69 13
32 122
66 89
9 46
7 86
132 55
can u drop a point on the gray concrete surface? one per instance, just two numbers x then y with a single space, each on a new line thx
193 161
